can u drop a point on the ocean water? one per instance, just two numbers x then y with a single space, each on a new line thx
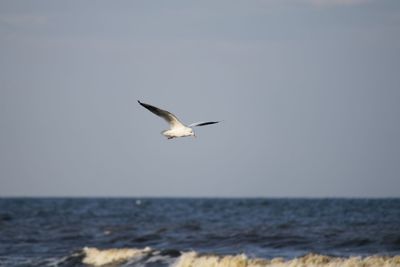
199 232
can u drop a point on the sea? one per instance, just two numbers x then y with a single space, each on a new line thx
194 232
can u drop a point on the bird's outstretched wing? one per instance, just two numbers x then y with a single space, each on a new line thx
172 120
202 123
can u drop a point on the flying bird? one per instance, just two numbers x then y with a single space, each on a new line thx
177 128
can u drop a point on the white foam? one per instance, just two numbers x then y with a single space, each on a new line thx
96 257
192 259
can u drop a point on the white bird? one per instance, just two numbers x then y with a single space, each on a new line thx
177 128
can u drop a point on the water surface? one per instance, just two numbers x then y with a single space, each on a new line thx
54 231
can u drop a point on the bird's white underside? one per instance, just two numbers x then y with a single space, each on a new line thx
181 131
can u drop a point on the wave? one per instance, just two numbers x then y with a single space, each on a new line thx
173 258
96 257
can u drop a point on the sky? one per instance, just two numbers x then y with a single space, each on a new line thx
308 93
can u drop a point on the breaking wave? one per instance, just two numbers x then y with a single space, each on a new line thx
173 258
96 257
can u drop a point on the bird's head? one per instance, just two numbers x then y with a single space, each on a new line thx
191 132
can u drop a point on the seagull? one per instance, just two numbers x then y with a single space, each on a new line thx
177 128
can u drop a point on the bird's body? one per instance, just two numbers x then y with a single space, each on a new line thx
178 132
177 128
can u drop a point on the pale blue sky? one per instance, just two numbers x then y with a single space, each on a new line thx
308 92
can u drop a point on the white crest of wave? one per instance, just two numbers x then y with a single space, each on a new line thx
96 257
192 259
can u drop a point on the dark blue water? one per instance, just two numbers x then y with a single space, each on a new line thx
53 231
